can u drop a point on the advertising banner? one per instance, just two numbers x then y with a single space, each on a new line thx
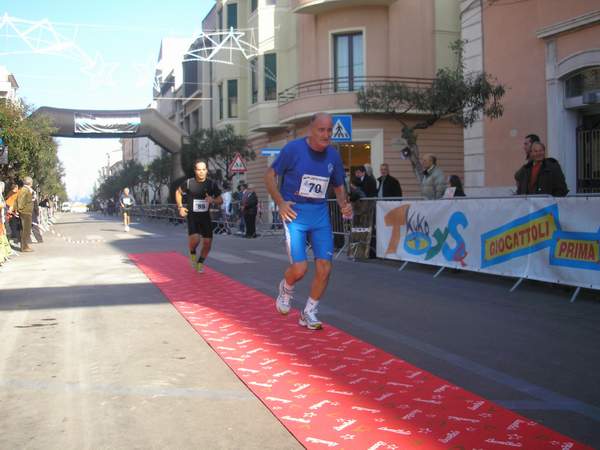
542 238
107 123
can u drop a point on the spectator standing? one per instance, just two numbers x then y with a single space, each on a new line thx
250 210
239 198
433 184
5 249
14 223
365 182
388 185
226 207
541 175
24 207
529 140
454 182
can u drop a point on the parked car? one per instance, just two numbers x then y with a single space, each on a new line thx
66 207
78 208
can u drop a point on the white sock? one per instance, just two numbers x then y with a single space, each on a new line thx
288 286
311 305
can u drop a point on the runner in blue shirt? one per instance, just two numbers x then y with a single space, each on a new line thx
307 166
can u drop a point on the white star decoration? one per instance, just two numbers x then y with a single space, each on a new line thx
42 38
219 46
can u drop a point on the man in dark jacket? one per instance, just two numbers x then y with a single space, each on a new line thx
527 143
541 175
365 182
388 185
250 209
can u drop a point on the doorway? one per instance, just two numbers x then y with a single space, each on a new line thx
355 154
588 155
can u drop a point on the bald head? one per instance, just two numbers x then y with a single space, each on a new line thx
320 130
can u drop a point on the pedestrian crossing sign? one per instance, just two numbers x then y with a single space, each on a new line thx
342 128
237 165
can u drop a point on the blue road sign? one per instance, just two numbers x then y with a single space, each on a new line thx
342 128
269 151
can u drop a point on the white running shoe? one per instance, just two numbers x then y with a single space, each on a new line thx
284 299
310 320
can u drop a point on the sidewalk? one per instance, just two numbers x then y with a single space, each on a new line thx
93 356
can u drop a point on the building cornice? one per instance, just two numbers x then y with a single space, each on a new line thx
573 23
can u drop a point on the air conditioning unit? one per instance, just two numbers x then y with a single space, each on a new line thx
591 97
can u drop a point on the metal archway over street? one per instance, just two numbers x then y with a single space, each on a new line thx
82 123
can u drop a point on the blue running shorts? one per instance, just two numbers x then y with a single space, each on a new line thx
312 221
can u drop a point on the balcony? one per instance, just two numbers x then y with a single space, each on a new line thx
321 6
264 117
330 94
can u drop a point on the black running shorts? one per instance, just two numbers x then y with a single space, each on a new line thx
200 224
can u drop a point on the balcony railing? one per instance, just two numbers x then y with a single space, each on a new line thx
341 85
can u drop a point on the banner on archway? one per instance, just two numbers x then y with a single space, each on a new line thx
106 123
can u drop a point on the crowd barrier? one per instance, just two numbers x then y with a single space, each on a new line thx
268 222
537 237
542 238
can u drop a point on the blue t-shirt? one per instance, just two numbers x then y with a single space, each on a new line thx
306 173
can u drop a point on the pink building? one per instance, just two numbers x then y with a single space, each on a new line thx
341 45
548 54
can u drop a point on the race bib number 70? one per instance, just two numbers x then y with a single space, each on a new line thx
313 186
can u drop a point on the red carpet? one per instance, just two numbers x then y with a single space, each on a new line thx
328 388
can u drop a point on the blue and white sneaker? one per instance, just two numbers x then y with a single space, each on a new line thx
284 299
310 320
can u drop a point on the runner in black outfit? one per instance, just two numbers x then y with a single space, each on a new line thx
201 193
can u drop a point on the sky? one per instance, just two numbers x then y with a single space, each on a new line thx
90 55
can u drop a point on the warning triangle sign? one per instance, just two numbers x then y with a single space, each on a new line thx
237 165
339 131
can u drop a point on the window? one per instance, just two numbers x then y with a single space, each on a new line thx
271 2
220 94
270 76
348 61
253 5
253 81
582 81
232 98
231 16
190 77
195 123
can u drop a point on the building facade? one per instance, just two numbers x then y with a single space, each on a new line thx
313 56
547 53
8 85
299 57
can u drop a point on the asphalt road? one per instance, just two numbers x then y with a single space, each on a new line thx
93 356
